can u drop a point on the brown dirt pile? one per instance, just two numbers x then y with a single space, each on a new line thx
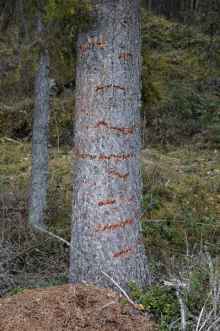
68 307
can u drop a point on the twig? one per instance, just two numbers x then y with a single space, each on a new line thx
213 324
121 289
172 324
52 235
178 286
182 309
10 140
108 304
214 282
199 319
206 320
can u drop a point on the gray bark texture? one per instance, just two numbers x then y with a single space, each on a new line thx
106 232
39 180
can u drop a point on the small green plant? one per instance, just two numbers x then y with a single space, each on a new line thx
199 285
54 281
160 301
151 202
16 290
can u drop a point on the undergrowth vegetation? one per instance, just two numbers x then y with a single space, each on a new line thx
181 198
180 223
181 227
181 86
31 259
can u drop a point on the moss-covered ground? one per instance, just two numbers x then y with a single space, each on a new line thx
181 191
181 216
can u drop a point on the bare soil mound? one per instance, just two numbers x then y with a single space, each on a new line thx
68 307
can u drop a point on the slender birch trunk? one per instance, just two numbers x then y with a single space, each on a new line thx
39 183
107 186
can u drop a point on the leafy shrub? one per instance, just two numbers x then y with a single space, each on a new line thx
158 300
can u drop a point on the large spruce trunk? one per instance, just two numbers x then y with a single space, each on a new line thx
107 187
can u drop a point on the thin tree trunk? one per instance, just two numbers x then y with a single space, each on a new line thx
182 6
24 35
107 187
39 182
196 6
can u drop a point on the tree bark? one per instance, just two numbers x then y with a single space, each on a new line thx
106 232
39 178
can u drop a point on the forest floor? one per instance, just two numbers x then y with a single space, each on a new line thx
181 216
69 307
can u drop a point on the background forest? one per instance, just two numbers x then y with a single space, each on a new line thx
180 155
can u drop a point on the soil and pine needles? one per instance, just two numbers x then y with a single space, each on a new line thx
69 307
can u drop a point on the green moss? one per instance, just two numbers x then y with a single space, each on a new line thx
177 68
181 193
14 165
15 172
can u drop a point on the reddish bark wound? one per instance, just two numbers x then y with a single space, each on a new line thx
115 157
113 201
119 157
103 87
124 56
119 87
106 202
83 48
114 128
119 175
115 226
123 252
123 130
101 123
92 42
